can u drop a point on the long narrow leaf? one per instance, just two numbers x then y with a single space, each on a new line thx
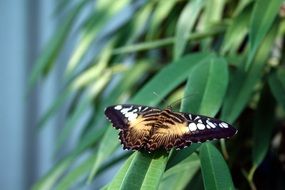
216 174
277 86
179 175
185 24
205 91
242 82
263 126
262 19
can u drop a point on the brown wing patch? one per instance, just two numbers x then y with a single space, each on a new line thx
168 136
136 135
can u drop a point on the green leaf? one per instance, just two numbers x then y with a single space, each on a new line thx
172 75
263 15
51 52
144 171
83 106
242 82
84 79
263 126
241 5
75 174
109 140
216 174
207 85
48 181
105 11
236 32
166 41
179 155
196 182
179 175
185 24
162 10
116 183
205 91
277 86
213 12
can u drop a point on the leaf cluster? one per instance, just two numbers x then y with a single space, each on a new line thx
225 57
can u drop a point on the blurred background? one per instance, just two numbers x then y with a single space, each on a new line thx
26 151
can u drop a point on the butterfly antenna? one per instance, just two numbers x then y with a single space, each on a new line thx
163 100
180 99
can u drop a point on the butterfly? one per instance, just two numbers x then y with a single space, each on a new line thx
149 128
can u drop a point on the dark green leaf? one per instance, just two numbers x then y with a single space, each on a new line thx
242 82
162 10
179 175
277 86
236 31
262 18
172 75
216 174
263 126
206 86
204 93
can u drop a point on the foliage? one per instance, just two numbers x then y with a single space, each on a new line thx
222 56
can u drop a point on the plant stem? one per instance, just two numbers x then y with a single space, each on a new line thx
165 42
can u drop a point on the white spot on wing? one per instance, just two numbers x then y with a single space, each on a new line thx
192 127
196 118
201 126
145 108
131 116
125 110
200 121
190 116
211 124
118 107
225 125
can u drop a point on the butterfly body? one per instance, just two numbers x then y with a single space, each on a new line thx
149 128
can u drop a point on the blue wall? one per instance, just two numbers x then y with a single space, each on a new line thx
26 153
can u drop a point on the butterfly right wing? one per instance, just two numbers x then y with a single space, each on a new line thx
133 126
203 128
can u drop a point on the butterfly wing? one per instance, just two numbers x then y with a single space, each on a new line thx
178 130
203 128
133 126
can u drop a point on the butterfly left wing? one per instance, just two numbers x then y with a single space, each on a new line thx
134 130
